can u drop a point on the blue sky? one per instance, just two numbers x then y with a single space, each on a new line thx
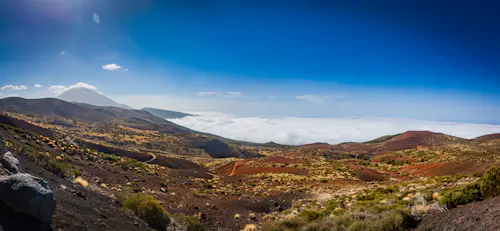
433 60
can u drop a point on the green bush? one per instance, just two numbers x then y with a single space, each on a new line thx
335 223
397 219
61 169
189 223
487 186
489 183
461 196
291 224
154 214
388 221
50 163
147 208
311 215
129 164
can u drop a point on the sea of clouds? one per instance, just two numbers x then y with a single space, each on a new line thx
295 130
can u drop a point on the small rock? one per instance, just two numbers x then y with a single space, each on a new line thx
10 163
81 195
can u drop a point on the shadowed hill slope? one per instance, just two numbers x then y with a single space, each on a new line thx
85 112
166 114
7 120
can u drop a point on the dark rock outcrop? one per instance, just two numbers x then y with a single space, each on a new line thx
27 194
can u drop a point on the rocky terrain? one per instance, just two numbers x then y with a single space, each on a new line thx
84 167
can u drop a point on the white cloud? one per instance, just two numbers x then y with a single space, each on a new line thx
205 93
317 98
371 106
271 97
38 85
14 87
232 94
111 67
312 98
295 130
58 89
229 94
96 19
62 53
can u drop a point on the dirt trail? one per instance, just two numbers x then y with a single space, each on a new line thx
153 157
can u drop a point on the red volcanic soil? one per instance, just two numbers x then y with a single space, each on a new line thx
398 157
410 139
255 170
442 169
316 145
367 174
243 168
279 160
412 134
394 175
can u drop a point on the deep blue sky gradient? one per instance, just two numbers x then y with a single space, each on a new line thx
268 47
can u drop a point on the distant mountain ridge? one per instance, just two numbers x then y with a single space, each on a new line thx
84 95
213 145
87 112
406 140
166 114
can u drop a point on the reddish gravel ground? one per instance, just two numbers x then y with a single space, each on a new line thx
242 169
442 169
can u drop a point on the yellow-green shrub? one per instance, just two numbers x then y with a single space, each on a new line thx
487 186
147 208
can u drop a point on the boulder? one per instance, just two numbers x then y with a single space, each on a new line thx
28 194
10 163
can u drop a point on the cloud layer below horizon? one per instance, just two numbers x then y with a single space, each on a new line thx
295 130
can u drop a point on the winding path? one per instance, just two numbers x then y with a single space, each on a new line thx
153 157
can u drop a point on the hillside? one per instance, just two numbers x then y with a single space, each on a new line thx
166 114
205 181
84 120
87 96
406 140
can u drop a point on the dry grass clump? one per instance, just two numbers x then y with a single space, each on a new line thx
250 227
79 180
